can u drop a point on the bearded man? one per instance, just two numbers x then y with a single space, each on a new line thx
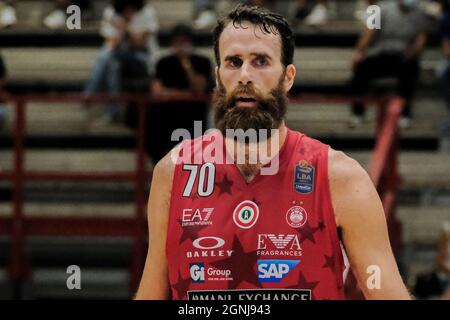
229 230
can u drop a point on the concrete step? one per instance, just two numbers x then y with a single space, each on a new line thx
422 224
64 64
51 283
122 210
315 119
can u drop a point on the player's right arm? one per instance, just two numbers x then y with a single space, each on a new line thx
155 280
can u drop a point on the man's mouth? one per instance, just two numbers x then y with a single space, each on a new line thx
245 102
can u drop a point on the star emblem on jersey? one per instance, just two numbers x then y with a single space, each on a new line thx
181 286
225 185
329 262
296 216
190 232
307 233
246 214
242 263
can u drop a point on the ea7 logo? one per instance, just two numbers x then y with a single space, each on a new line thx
196 217
274 270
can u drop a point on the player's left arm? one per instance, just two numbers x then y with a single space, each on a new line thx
360 215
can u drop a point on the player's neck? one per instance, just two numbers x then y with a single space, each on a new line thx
250 169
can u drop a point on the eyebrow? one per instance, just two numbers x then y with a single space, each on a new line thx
256 54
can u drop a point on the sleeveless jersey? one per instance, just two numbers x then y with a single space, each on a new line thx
274 238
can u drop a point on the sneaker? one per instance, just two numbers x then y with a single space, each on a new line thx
355 121
318 15
404 122
206 19
8 17
55 20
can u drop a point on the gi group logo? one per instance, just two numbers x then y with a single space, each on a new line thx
197 271
246 214
200 273
274 270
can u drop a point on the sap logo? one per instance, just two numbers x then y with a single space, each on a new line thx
197 271
274 270
196 217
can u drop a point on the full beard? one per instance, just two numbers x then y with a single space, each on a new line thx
268 113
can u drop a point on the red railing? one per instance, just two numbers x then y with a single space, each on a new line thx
383 170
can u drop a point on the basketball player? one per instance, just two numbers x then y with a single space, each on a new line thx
226 231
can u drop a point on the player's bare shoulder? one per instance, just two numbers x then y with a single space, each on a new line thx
343 169
163 174
350 183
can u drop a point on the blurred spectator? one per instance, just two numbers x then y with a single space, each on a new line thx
8 16
392 51
204 14
434 284
2 84
130 32
183 73
312 12
443 255
444 70
57 18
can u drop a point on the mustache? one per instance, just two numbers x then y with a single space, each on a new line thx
243 89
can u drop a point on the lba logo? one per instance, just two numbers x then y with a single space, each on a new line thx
197 271
274 270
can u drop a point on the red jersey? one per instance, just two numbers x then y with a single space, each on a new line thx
274 238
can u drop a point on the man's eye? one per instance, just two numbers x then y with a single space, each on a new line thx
261 62
235 63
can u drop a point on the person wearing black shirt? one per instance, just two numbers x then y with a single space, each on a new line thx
182 73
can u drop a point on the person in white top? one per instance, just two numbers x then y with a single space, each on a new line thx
130 32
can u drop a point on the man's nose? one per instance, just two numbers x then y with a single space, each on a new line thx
245 76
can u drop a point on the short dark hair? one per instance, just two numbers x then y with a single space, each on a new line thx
181 30
269 22
121 5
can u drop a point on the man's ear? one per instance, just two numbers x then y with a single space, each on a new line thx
216 71
289 77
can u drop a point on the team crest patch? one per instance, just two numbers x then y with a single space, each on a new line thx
246 214
304 177
296 216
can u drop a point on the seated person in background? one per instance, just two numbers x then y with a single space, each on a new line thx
2 84
129 29
185 74
392 51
